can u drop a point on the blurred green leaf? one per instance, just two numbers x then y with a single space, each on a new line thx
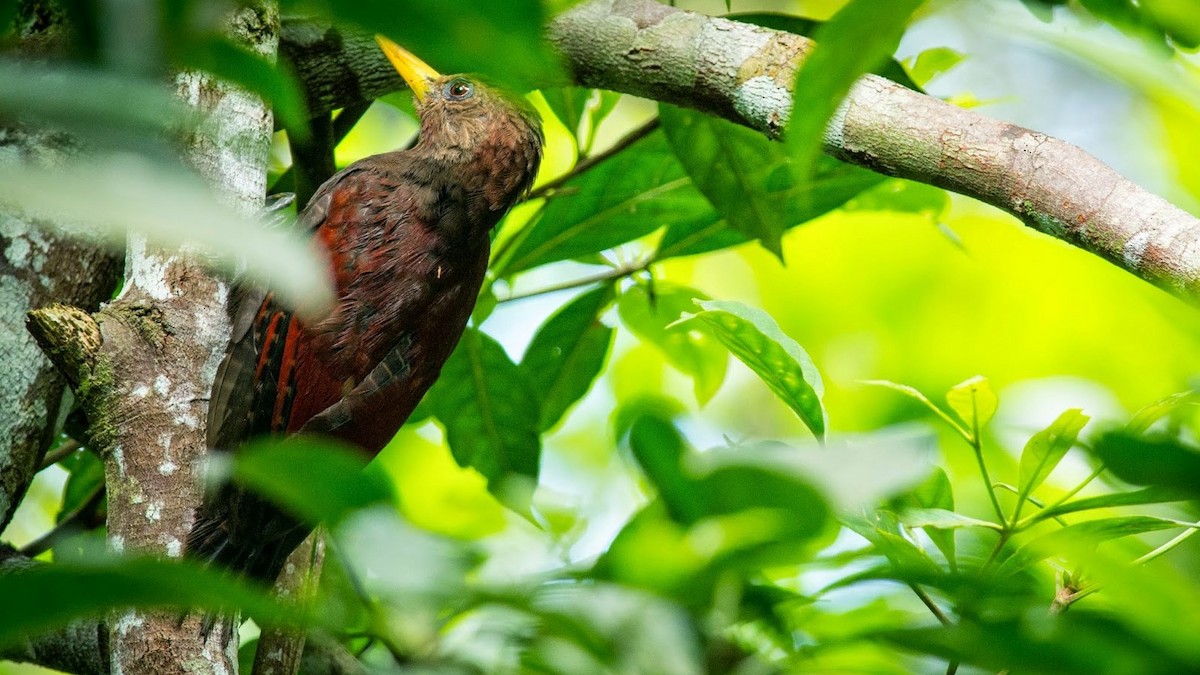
930 63
937 493
882 529
854 41
1151 459
973 401
897 194
567 353
491 416
941 519
653 318
575 105
86 475
1151 495
1086 534
1046 449
271 81
660 449
1075 643
46 596
315 479
627 196
502 40
118 193
1178 19
754 337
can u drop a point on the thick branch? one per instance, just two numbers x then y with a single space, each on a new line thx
744 73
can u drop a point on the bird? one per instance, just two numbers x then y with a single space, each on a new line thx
407 236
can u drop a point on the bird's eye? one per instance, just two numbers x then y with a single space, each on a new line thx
457 90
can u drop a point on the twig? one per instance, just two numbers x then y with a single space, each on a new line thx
592 160
60 453
70 524
933 608
612 275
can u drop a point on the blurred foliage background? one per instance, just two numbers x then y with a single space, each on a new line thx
902 283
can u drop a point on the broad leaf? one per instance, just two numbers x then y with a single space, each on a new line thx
937 493
1150 495
491 416
567 353
626 196
659 449
1152 459
931 63
916 395
973 401
754 337
1046 449
941 519
853 42
1088 533
314 479
653 317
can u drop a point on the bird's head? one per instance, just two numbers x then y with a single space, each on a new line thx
467 123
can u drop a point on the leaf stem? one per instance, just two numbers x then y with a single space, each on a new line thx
1035 517
977 446
611 275
1182 537
933 608
60 453
592 160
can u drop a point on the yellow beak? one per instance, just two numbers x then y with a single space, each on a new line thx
415 72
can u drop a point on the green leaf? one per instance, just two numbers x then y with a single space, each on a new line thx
1150 459
626 196
86 476
744 175
653 316
659 449
789 23
502 40
882 528
234 64
575 105
916 395
316 479
973 401
897 194
937 493
754 337
567 353
113 194
43 597
1046 449
853 42
1088 533
931 63
491 416
1150 495
941 519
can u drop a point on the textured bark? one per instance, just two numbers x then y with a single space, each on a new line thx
37 266
162 341
744 73
280 651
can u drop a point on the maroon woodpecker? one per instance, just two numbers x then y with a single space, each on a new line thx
407 237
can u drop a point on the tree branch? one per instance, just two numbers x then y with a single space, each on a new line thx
744 73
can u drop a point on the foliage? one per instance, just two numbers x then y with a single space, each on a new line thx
681 511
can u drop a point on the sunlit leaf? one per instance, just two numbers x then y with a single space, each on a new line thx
1090 532
567 353
973 401
1046 449
854 41
931 63
491 416
941 519
1151 495
653 317
916 395
119 193
937 493
754 337
627 196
